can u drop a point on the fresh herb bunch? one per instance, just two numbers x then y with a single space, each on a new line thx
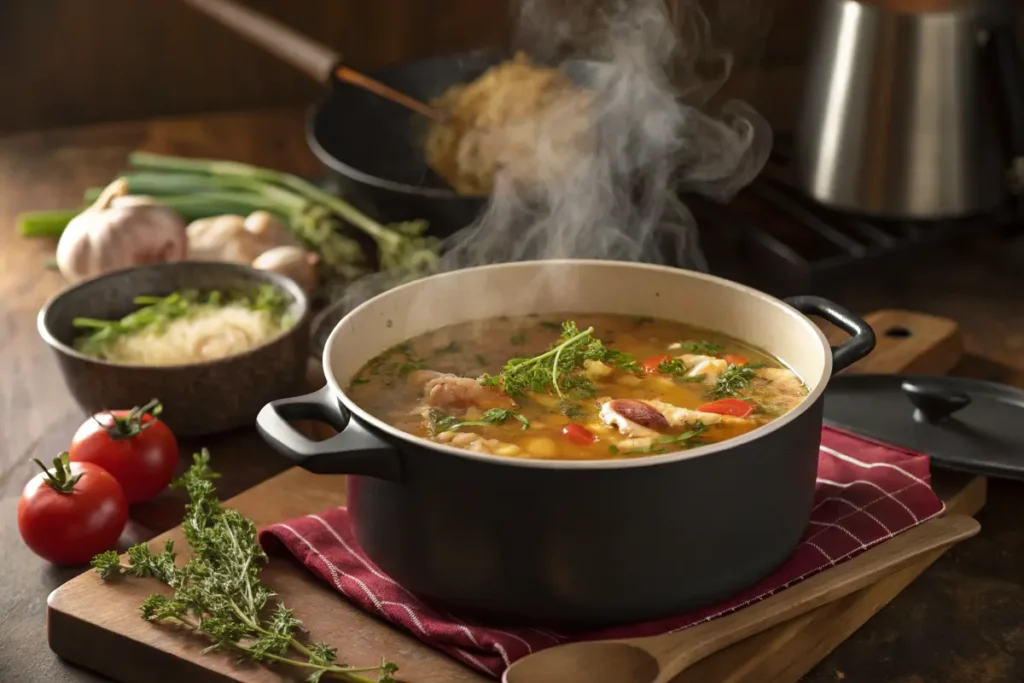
659 445
439 422
157 312
733 380
560 368
218 593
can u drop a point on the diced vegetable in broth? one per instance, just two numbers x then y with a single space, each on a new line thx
576 387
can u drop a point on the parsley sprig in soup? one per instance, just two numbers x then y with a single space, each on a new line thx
576 387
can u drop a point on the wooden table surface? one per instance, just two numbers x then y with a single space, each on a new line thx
960 623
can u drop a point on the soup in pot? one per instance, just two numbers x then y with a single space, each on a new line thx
576 387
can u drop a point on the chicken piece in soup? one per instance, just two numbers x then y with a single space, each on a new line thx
597 387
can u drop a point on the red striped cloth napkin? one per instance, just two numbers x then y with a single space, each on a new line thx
866 493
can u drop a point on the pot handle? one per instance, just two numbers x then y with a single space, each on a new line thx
353 450
861 341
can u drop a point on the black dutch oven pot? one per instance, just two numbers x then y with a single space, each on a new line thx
572 543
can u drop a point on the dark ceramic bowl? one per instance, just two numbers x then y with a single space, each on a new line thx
200 398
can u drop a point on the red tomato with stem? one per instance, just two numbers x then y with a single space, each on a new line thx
135 446
72 512
650 365
728 406
578 434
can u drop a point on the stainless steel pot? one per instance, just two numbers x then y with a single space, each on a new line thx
912 113
572 542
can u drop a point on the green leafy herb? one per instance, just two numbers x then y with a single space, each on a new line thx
409 366
560 368
518 340
156 312
550 325
674 367
573 411
398 362
359 380
218 593
733 379
699 348
439 422
661 444
618 359
480 359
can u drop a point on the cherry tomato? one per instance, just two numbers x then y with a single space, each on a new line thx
650 365
735 359
135 446
70 513
578 434
728 406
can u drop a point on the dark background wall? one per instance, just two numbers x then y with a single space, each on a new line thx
66 62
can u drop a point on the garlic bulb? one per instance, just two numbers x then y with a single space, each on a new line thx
293 262
222 238
235 238
119 232
272 232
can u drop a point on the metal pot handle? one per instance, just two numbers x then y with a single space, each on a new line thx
354 450
861 341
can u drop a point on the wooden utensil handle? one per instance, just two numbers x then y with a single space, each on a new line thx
677 651
298 50
343 73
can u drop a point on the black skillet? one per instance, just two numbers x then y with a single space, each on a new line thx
371 146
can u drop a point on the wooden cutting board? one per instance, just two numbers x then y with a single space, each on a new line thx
97 626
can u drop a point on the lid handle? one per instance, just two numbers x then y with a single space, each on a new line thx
933 402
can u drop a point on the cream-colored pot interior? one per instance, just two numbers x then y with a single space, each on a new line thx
578 286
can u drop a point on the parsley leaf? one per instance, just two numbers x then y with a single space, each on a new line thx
439 422
659 445
733 379
699 348
559 370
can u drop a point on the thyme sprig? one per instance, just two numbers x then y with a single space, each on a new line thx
560 369
218 593
157 312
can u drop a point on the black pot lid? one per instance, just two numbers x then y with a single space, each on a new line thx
963 424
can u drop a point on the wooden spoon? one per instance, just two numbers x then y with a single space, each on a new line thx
659 659
305 54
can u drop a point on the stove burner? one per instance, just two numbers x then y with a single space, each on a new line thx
774 238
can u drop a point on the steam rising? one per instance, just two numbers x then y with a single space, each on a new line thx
646 139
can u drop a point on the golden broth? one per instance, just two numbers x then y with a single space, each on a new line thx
392 388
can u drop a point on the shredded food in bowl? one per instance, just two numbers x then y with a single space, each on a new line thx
187 327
